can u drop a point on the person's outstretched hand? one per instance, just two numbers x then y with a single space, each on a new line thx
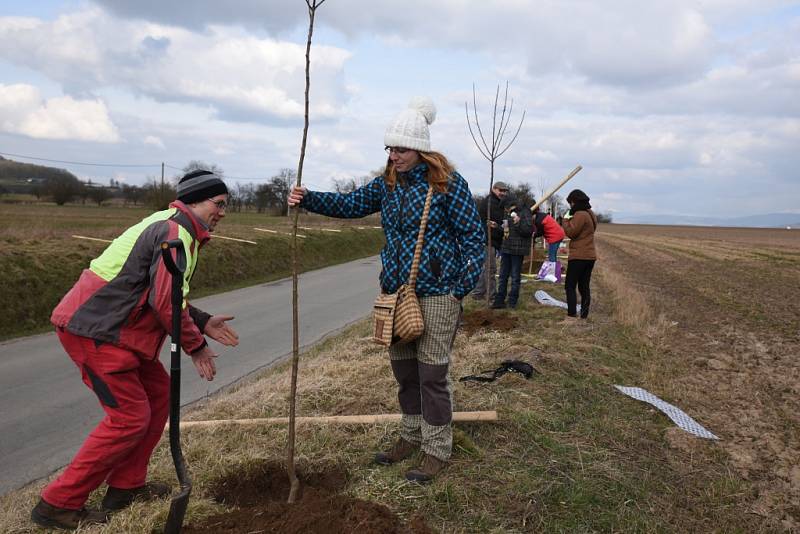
296 196
204 363
218 329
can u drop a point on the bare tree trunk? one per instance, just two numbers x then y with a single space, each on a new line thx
489 248
293 480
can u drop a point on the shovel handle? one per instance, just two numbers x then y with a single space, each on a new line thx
176 267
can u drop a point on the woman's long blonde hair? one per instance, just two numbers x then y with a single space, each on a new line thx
439 171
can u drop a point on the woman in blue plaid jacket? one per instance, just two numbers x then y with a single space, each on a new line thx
451 262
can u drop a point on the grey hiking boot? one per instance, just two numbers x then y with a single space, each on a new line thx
401 450
427 470
46 515
117 498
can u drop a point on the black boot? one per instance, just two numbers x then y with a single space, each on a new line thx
117 498
401 450
46 515
427 470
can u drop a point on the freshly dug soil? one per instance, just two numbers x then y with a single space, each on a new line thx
488 320
259 496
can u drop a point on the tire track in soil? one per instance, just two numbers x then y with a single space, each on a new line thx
735 350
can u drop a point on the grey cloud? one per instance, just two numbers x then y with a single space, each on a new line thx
589 43
239 75
275 16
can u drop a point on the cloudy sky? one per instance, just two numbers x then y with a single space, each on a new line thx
671 106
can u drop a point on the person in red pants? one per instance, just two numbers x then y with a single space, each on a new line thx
112 323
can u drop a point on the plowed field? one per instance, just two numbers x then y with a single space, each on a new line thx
735 350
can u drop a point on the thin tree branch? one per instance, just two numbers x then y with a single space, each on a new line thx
504 125
494 122
503 120
477 122
515 136
469 125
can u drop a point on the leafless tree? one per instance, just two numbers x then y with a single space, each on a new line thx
295 483
197 165
492 149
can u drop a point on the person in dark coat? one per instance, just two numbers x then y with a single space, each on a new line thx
517 232
579 224
491 205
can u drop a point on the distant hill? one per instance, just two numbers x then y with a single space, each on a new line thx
21 177
767 220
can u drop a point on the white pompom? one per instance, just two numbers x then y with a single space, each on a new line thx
424 106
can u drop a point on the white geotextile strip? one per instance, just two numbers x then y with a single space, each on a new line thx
677 415
543 298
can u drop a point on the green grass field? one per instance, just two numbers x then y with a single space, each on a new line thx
41 259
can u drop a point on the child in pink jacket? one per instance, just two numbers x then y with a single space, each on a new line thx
547 226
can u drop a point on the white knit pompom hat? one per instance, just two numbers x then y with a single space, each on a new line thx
409 129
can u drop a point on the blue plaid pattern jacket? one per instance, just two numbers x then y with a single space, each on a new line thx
453 249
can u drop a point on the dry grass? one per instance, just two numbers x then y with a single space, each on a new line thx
569 453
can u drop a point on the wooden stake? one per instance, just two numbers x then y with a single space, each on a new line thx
92 238
458 417
216 236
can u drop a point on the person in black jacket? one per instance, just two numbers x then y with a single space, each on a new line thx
518 229
494 201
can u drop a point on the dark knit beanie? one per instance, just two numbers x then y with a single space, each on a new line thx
197 186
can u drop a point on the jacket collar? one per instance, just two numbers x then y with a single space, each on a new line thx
416 175
199 227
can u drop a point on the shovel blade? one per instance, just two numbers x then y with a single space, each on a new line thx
177 510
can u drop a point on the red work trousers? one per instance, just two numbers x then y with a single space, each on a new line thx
134 393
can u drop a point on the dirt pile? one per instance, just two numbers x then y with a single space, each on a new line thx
488 320
259 496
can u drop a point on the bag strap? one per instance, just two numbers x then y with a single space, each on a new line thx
423 223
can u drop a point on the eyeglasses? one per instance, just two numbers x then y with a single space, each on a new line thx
220 204
396 150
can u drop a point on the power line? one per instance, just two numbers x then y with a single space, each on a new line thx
131 165
79 162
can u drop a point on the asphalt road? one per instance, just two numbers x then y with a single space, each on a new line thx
47 411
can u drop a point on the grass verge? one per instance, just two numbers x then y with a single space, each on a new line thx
569 454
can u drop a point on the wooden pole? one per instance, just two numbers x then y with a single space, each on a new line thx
575 171
530 262
550 193
458 417
92 238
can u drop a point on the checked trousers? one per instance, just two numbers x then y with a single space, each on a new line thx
421 369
